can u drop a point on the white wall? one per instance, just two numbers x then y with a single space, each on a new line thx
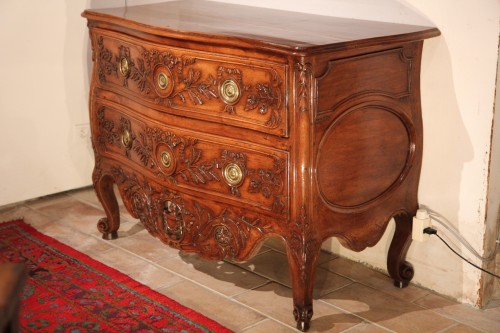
43 96
45 70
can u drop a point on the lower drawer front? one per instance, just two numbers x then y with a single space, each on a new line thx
186 222
221 168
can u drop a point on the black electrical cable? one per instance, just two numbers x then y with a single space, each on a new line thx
432 231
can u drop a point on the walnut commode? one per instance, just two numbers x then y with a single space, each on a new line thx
223 125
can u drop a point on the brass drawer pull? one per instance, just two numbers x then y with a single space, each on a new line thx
162 81
229 91
166 159
233 174
126 138
124 69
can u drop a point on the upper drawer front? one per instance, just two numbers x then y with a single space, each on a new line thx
226 89
181 159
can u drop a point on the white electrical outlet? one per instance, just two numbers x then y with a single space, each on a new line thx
421 221
81 134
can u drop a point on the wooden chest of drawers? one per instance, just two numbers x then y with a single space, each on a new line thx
223 125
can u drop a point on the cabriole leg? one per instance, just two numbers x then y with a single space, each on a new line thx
399 269
302 259
108 225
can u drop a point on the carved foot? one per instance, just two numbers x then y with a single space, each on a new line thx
406 273
103 186
400 270
302 259
303 315
104 227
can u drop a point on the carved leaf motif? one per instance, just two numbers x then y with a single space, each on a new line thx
303 243
143 149
265 97
139 74
196 91
303 82
107 65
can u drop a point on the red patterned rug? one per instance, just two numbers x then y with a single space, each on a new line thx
67 291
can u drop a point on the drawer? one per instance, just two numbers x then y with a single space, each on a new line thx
247 93
180 159
189 222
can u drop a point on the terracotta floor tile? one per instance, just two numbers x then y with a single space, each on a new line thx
63 232
485 320
155 277
220 276
365 327
29 215
373 278
269 326
274 266
121 260
461 329
138 240
70 211
92 246
386 310
275 300
219 308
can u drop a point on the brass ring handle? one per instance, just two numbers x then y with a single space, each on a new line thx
124 68
166 159
229 91
162 81
126 138
172 220
233 174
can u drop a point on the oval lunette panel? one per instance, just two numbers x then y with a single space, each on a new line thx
363 155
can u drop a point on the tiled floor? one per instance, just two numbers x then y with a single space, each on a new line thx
253 296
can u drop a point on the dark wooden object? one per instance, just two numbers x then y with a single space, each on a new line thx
223 125
12 278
